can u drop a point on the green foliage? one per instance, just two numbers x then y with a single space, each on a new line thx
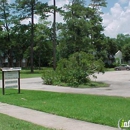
50 77
126 52
75 70
82 30
117 62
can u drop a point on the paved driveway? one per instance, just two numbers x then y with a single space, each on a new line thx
119 85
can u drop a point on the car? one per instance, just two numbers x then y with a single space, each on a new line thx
123 67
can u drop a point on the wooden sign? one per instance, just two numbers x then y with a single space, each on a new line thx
10 78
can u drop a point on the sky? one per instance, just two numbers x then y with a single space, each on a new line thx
116 16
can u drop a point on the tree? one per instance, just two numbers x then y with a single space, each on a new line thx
122 40
43 48
82 30
27 9
54 35
6 21
126 52
19 36
74 33
96 34
98 3
111 48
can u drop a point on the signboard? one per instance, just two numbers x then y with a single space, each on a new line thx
11 83
11 78
12 86
11 75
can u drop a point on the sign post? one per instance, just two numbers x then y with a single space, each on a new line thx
10 78
3 91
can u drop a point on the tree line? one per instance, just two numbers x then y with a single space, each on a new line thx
46 42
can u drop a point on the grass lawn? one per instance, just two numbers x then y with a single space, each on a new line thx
109 69
10 123
92 84
98 109
26 73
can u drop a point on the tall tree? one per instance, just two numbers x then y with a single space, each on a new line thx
123 43
82 30
98 3
32 31
6 21
96 34
54 35
73 34
122 40
28 9
43 48
19 36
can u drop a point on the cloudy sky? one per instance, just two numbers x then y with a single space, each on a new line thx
116 17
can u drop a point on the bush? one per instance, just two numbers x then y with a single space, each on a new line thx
75 70
50 77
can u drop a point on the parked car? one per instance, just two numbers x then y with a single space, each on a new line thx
123 67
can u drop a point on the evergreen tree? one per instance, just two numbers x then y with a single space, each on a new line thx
7 19
82 30
27 9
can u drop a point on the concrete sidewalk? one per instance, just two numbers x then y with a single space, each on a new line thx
49 120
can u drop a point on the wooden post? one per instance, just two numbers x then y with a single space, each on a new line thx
18 82
3 84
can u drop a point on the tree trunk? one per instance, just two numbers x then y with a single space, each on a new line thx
32 36
54 36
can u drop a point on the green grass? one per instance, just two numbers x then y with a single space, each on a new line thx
92 84
26 73
109 69
98 109
10 123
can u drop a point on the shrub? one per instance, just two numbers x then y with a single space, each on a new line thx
50 77
75 70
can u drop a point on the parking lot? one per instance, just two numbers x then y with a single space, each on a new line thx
119 82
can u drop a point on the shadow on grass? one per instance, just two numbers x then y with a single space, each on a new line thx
10 92
13 93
